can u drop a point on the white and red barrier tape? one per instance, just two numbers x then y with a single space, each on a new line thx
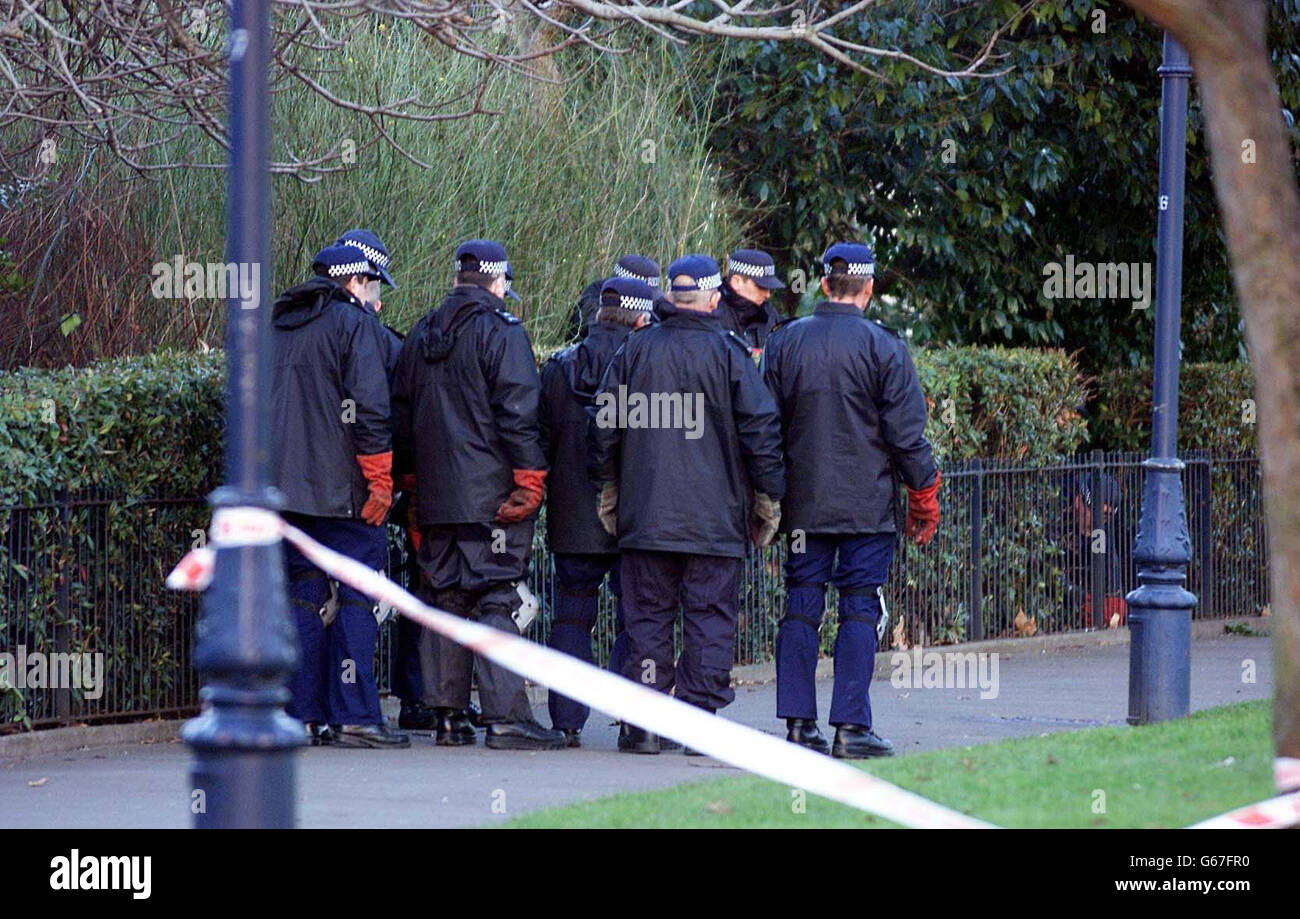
1273 814
741 746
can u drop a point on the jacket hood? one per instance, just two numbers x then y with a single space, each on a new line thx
463 302
746 310
592 356
299 305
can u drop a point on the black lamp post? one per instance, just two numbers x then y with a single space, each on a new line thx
1160 610
243 741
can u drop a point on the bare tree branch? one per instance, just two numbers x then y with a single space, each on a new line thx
136 76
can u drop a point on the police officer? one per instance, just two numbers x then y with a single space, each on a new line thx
465 414
746 307
681 429
411 658
637 267
852 417
584 553
332 456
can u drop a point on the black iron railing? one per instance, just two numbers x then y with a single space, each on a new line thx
1020 550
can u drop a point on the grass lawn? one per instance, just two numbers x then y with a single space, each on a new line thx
1165 775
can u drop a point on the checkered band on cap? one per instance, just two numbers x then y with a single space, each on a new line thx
621 272
370 252
351 268
753 271
640 304
709 282
483 267
862 269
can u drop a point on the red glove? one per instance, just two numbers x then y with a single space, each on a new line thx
412 510
378 470
525 499
923 512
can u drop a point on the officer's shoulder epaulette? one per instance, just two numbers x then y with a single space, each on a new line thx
892 332
783 323
507 316
559 355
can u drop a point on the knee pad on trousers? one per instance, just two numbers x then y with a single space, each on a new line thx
810 594
456 601
515 601
859 604
311 593
805 602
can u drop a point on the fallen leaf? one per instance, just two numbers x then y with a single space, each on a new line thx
1264 613
1025 626
719 807
39 782
900 636
1114 620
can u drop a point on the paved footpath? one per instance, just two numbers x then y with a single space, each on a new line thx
1039 691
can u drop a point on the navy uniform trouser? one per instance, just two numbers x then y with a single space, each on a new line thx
862 566
470 569
408 673
706 588
335 679
577 606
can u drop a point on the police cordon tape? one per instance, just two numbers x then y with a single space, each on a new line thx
741 746
733 743
1273 814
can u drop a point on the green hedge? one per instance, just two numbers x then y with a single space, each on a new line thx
1015 404
151 426
146 426
1215 408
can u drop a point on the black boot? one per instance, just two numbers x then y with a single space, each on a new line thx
372 736
854 741
632 739
416 716
320 734
453 728
523 735
805 733
572 736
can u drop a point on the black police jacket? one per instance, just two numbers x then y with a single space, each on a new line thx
584 311
685 425
392 351
852 416
747 319
569 383
465 407
329 398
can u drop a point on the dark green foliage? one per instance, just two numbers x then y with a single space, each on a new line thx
145 426
1216 409
82 556
1013 404
968 188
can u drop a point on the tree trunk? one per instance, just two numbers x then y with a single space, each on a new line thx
1254 180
